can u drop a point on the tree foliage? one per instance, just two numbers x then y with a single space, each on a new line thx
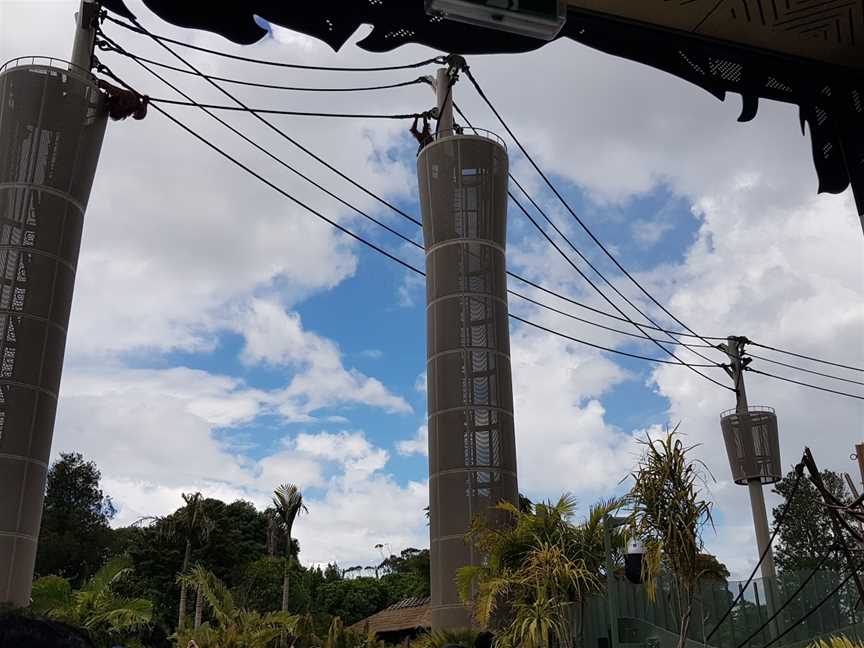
669 515
75 538
806 530
537 565
97 607
231 626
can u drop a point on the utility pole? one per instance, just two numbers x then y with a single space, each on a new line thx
52 123
754 485
859 455
85 34
753 448
472 451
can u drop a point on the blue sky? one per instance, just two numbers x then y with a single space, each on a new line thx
224 340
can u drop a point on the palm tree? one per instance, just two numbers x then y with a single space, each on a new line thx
95 606
288 501
191 523
232 626
669 514
536 567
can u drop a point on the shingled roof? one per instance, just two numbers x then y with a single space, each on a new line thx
407 614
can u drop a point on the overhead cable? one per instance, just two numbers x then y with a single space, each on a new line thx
109 46
581 223
803 384
602 276
811 611
610 350
805 357
593 267
103 69
408 240
602 326
296 66
278 111
605 313
789 598
799 474
282 133
280 161
810 371
602 294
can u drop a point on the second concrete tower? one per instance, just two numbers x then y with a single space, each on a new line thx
472 456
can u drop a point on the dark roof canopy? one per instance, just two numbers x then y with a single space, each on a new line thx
830 95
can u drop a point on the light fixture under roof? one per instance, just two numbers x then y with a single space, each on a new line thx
541 19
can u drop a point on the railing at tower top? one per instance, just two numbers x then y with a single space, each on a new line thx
470 130
750 408
61 65
842 612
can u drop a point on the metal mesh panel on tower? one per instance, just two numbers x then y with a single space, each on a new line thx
472 456
752 444
52 121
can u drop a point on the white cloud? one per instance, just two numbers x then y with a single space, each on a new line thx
419 444
648 232
420 383
157 434
273 336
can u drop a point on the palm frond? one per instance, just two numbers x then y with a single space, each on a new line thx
122 614
108 574
50 595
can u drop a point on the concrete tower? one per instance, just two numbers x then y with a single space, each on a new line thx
472 456
52 120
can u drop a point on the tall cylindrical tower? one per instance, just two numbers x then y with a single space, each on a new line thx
472 456
52 121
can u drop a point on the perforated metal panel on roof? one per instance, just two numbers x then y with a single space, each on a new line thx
472 454
51 128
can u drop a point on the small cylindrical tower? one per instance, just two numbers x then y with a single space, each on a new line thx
472 456
752 445
52 121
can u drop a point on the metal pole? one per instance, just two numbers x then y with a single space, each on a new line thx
611 593
444 90
735 348
85 34
859 454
